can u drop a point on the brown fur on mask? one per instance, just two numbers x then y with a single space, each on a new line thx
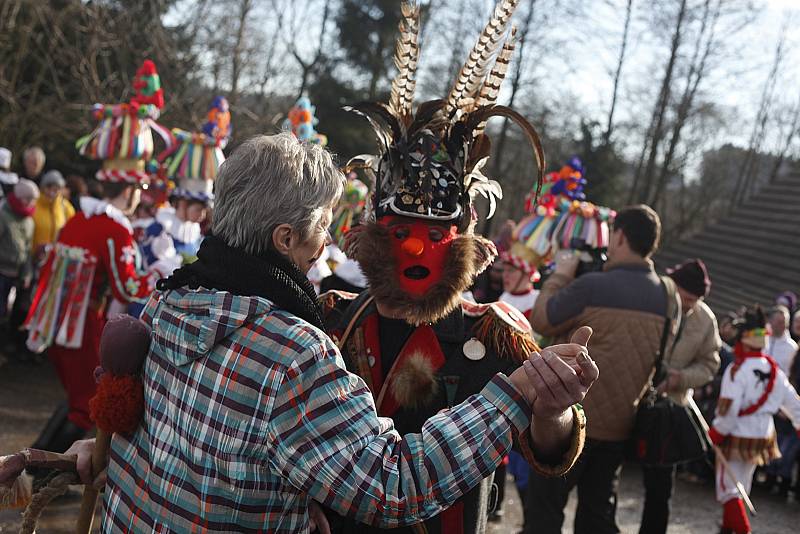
414 384
468 256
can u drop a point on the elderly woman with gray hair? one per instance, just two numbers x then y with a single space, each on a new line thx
250 414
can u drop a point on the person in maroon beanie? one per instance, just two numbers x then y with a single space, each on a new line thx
691 362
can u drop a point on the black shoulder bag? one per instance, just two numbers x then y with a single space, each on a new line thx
665 433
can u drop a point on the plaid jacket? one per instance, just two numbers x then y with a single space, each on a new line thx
250 414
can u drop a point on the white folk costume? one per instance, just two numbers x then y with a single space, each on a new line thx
754 389
418 250
95 258
191 169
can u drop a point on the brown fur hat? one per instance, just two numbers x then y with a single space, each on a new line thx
469 255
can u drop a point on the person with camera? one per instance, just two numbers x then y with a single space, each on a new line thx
626 306
691 362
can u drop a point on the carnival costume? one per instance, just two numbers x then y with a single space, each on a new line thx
191 170
95 258
753 390
418 251
346 273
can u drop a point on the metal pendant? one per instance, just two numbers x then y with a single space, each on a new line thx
474 349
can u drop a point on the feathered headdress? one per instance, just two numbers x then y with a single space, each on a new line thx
430 163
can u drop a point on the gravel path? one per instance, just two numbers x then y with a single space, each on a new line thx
28 394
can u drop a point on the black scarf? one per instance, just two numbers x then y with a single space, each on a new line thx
270 275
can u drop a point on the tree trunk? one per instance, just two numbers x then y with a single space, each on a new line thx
693 79
662 104
618 74
744 183
237 60
793 127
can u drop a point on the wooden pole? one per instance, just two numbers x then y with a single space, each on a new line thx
89 502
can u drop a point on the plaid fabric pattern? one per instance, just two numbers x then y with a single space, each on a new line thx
250 413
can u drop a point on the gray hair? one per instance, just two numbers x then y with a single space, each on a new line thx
271 180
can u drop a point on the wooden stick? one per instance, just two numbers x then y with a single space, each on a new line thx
89 502
721 457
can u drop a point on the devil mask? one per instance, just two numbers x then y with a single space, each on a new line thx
416 247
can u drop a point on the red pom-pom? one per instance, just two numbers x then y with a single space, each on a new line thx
118 404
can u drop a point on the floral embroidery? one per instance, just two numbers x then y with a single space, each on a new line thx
127 255
132 285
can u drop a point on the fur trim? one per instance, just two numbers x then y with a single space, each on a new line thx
414 385
505 340
469 255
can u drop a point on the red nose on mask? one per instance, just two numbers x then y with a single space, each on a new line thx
413 246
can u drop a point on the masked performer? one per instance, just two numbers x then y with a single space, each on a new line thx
419 346
95 258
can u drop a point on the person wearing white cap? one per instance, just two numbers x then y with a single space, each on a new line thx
8 179
16 235
52 212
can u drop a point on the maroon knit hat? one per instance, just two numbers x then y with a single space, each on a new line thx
692 276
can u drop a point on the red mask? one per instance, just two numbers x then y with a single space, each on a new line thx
420 250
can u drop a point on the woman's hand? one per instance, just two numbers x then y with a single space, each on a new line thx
558 377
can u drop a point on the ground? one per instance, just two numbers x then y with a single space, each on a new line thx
28 394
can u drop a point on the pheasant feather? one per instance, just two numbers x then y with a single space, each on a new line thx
491 87
475 69
406 55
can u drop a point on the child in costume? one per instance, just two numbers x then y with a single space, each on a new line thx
95 258
754 389
192 168
417 344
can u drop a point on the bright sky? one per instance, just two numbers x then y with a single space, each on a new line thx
583 81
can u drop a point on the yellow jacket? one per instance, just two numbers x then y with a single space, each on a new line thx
49 218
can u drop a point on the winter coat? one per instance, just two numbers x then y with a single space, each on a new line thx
49 218
250 414
695 353
16 236
626 307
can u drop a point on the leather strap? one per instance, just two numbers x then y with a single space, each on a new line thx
353 320
669 317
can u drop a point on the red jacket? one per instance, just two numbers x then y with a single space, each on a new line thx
95 257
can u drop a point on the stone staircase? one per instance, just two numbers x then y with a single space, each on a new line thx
767 226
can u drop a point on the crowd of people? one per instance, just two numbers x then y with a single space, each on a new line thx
319 353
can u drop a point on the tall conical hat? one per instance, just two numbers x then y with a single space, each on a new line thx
123 138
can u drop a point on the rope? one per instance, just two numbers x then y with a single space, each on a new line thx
57 486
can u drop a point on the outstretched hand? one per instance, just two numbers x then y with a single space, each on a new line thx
558 377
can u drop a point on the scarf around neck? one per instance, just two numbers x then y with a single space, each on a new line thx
19 208
269 275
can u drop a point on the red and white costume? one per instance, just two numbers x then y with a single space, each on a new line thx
523 301
94 259
754 389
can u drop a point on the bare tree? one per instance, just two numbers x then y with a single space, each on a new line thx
239 53
745 182
783 152
618 73
655 132
295 28
697 70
